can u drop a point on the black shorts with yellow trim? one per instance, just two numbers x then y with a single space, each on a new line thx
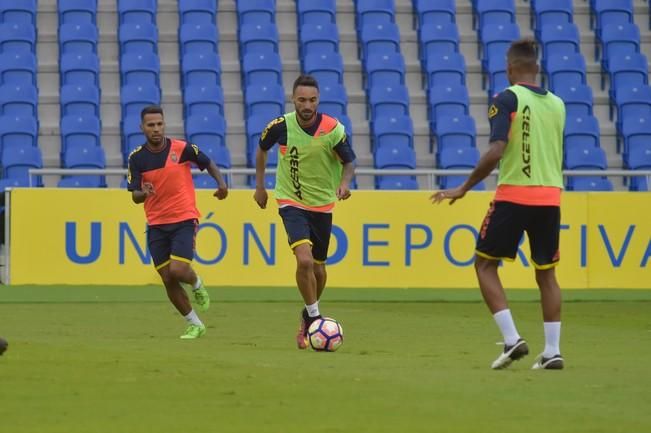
304 226
506 222
172 242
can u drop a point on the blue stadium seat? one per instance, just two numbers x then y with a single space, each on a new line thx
388 102
137 11
132 135
77 11
16 161
17 38
385 70
632 102
611 12
379 39
496 76
566 70
261 68
581 132
327 68
135 38
493 12
78 131
333 100
429 13
392 155
200 38
198 12
318 38
617 40
447 101
258 38
458 157
398 131
18 12
585 158
256 12
17 131
269 181
374 12
133 98
255 125
201 70
86 155
18 100
639 157
630 70
636 132
79 69
551 12
578 100
445 70
206 129
217 153
452 181
268 100
403 183
80 181
454 132
78 38
311 12
18 68
79 99
272 155
495 39
203 99
437 39
588 183
140 69
558 40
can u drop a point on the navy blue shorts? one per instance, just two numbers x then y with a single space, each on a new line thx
172 241
303 226
505 224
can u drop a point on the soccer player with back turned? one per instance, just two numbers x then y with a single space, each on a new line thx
526 140
159 176
315 168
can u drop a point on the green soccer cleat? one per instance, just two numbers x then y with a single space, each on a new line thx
193 332
201 298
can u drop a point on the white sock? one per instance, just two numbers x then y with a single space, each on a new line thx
313 310
505 322
193 319
552 339
197 283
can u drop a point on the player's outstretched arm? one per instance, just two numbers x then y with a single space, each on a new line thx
260 195
486 164
222 188
343 191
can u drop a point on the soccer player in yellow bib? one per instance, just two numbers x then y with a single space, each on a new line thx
315 168
526 140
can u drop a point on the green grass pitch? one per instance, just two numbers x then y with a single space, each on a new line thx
108 359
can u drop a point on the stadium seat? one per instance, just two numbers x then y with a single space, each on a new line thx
79 69
261 68
578 100
458 157
199 69
611 12
386 70
18 68
256 12
585 158
559 40
17 131
388 102
133 98
566 70
496 76
446 182
218 153
495 40
630 70
639 157
197 12
447 101
255 125
132 135
551 12
79 99
206 129
205 181
17 38
18 100
78 38
379 39
311 12
140 69
445 70
327 68
333 100
632 102
199 38
18 12
394 155
269 181
493 12
318 38
454 132
438 39
16 161
374 12
617 40
86 156
77 12
581 132
80 181
429 13
268 100
137 11
258 38
636 132
588 183
203 99
398 131
393 182
138 38
78 131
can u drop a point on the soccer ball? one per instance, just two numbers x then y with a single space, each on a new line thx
325 335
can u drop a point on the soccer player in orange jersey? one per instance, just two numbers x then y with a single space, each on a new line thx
159 176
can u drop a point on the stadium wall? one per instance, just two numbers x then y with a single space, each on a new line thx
380 239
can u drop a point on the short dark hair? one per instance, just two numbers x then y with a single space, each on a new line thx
523 53
150 109
305 80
